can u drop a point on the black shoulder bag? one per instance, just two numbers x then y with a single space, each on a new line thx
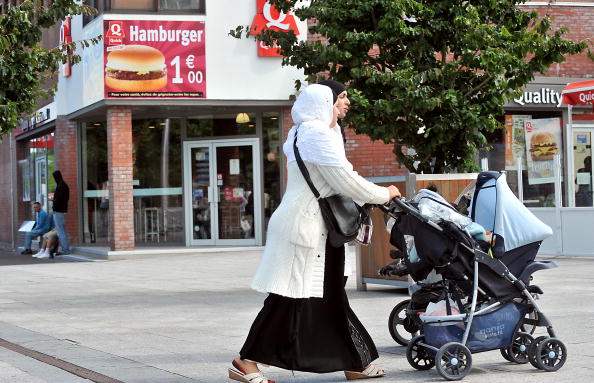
343 217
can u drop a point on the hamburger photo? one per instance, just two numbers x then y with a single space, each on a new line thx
543 146
136 68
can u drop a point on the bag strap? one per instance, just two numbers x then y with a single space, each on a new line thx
303 168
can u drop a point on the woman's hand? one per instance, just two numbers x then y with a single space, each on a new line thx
394 192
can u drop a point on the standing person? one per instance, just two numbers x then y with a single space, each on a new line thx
42 226
342 104
306 323
60 208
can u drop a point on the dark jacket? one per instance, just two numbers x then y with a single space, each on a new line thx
61 195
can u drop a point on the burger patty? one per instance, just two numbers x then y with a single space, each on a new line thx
129 75
544 148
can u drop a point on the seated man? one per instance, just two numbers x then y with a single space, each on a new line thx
50 239
42 226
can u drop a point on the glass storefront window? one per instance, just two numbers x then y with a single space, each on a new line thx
154 5
38 169
221 125
157 173
157 155
530 143
133 4
158 214
180 4
582 168
271 147
95 183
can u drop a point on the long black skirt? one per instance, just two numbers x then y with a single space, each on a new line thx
311 334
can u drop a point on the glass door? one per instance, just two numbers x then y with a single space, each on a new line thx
582 167
41 182
201 196
222 192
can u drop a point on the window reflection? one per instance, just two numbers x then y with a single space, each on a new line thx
95 182
582 165
158 214
271 148
222 125
157 153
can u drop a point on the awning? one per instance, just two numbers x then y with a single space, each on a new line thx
581 92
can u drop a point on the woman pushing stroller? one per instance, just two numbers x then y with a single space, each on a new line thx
306 323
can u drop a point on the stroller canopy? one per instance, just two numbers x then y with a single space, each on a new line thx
495 207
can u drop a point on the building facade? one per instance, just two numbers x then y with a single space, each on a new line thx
197 160
557 190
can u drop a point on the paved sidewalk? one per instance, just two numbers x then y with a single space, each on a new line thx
183 318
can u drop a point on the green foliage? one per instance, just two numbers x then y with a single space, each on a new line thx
429 75
24 64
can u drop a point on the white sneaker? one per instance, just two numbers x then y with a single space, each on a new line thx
38 254
44 255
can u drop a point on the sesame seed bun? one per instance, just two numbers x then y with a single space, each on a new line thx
136 58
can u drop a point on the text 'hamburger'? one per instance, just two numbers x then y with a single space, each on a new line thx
183 36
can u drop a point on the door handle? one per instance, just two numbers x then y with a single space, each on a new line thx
210 195
214 194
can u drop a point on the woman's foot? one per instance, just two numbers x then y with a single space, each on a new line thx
368 372
247 372
245 366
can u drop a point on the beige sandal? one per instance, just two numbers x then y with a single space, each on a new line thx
370 372
239 375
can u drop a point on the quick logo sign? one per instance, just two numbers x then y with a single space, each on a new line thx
66 38
268 17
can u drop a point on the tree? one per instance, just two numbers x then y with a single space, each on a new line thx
430 75
24 64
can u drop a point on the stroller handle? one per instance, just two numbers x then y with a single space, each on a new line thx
400 204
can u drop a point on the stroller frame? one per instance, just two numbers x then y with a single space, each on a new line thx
536 353
482 258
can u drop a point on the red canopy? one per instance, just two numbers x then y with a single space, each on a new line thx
581 92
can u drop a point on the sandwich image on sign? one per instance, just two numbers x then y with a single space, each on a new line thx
543 146
136 68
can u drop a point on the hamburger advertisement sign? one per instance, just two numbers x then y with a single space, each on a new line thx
543 141
154 59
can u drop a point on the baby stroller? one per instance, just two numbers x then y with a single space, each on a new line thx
485 285
404 322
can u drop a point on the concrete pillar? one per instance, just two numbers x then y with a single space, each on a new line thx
119 160
65 150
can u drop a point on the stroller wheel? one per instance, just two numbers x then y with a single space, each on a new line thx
532 351
551 354
417 355
396 324
505 354
453 361
518 350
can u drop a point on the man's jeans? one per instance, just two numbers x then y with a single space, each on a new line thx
29 237
59 223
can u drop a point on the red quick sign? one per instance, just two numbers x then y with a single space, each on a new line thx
66 38
154 59
268 17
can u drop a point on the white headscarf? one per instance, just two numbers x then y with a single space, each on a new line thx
317 142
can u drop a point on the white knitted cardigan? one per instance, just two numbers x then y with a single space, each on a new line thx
292 264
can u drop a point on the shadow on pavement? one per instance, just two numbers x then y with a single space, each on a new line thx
10 257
